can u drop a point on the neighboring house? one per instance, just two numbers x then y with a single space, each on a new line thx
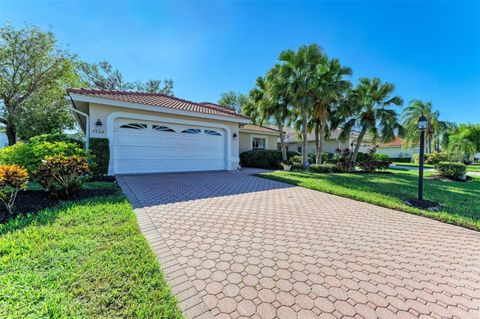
395 149
331 144
158 133
3 139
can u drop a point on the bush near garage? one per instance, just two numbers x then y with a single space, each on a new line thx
99 149
62 175
452 170
13 178
30 155
268 159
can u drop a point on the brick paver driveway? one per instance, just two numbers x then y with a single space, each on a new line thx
256 248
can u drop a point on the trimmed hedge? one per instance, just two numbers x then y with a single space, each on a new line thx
100 149
323 168
453 170
401 159
264 158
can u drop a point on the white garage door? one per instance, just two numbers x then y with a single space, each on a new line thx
147 147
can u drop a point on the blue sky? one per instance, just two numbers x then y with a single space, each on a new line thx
429 50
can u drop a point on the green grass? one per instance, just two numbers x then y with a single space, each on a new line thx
83 259
460 200
470 168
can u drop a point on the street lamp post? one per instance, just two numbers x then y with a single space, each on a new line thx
422 126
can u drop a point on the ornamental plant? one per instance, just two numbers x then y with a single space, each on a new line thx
62 175
343 159
13 178
452 170
372 161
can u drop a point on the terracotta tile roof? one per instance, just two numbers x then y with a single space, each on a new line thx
258 128
396 142
160 100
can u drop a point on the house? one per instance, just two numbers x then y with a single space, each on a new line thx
331 144
395 149
158 133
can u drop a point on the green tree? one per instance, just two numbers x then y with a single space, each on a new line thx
298 68
369 108
30 65
464 141
268 102
233 100
436 128
328 89
103 76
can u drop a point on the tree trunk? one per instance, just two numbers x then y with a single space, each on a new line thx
305 136
323 124
357 147
10 131
430 136
282 141
317 143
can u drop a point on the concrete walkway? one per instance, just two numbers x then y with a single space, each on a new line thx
237 246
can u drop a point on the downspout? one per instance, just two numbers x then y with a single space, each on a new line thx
87 123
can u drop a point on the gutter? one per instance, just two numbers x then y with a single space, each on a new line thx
87 123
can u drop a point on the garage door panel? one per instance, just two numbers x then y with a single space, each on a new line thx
149 150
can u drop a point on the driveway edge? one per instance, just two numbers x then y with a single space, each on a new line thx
190 303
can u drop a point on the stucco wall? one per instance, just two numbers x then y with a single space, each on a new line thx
329 146
245 140
101 112
397 151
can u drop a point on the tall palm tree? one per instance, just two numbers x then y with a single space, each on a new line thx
298 68
370 112
328 88
268 101
436 129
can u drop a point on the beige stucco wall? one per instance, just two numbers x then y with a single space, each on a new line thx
101 112
245 141
329 146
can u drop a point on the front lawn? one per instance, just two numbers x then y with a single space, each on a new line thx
84 259
460 200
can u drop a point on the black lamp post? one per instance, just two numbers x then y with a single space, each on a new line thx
422 126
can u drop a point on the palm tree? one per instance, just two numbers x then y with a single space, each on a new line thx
435 131
298 68
460 148
370 112
328 88
269 101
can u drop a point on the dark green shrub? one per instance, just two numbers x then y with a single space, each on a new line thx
401 159
326 157
55 137
263 158
343 159
99 148
323 168
435 158
453 170
62 175
372 161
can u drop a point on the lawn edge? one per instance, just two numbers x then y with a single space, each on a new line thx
189 301
469 226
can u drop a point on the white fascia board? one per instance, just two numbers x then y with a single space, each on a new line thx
258 132
158 109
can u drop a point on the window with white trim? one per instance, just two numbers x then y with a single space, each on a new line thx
212 132
162 128
259 143
192 131
134 126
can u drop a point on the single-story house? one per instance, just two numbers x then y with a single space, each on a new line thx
395 149
331 144
150 133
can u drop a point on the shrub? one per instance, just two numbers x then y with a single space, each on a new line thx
323 168
372 161
100 150
13 178
55 137
343 159
451 170
435 158
62 175
263 158
326 157
401 159
30 155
